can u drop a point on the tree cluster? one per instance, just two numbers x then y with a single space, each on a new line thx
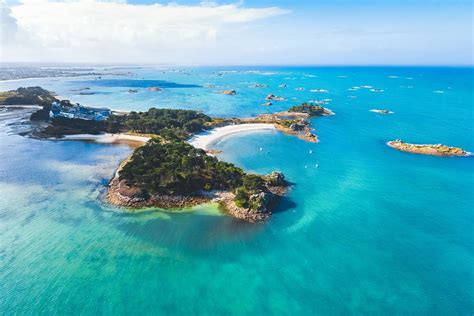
168 123
313 110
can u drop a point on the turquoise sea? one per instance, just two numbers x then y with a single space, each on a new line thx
365 230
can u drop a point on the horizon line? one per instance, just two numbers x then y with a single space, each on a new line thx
229 65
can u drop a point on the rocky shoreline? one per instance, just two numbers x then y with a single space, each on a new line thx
294 123
429 149
268 200
122 195
304 133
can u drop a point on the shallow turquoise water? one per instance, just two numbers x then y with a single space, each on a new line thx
369 231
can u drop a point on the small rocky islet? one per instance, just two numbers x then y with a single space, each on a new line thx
229 92
429 149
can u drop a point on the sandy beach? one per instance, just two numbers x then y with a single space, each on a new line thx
108 138
208 138
20 106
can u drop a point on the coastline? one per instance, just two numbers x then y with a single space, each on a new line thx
20 106
107 138
208 138
121 195
129 198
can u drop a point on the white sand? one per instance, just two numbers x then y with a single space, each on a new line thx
203 140
20 106
208 138
107 138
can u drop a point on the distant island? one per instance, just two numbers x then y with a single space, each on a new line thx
15 72
428 149
165 170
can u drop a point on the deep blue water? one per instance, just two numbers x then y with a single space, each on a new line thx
365 229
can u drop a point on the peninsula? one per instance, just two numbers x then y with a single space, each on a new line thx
428 149
174 175
165 169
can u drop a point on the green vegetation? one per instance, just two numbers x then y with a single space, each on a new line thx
168 123
177 168
27 96
61 126
252 184
30 96
166 165
312 110
287 123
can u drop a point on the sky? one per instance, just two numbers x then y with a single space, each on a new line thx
233 32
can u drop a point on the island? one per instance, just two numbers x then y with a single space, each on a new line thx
311 110
428 149
165 170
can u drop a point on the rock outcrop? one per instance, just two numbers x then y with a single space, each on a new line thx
274 97
229 92
428 149
260 204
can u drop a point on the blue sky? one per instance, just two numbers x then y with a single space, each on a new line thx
364 32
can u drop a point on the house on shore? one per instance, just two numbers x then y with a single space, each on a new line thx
77 111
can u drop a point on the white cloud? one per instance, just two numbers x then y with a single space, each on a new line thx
7 23
90 30
212 33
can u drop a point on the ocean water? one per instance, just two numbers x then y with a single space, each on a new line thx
365 229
